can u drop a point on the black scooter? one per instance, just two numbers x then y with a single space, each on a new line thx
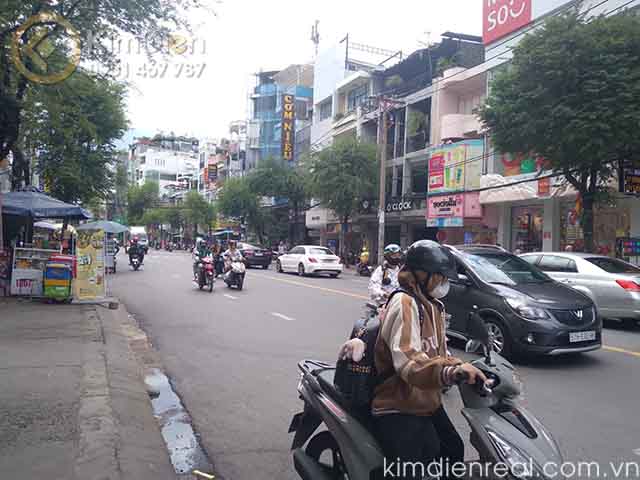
502 431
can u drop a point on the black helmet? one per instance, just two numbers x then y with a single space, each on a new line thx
431 257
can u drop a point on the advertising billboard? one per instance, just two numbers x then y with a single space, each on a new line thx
288 126
445 211
501 17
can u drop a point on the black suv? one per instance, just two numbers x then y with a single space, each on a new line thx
524 309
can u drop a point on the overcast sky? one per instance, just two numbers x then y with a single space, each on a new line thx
252 35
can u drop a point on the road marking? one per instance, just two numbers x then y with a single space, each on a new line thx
621 350
637 451
323 289
283 317
230 296
203 475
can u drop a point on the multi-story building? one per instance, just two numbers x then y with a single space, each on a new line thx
170 161
541 215
281 105
431 123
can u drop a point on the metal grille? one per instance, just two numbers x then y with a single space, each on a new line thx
574 317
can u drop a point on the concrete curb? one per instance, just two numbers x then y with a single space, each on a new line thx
119 436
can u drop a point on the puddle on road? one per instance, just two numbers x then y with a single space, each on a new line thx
175 423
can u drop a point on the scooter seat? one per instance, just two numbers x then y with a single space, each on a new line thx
325 379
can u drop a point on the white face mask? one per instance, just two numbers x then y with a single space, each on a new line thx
441 290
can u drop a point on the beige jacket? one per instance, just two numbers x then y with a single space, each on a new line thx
411 358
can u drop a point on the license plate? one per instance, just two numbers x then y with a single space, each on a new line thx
258 254
576 337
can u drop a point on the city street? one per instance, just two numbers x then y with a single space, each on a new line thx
232 356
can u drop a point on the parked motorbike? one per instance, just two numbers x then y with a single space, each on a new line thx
502 431
205 273
235 276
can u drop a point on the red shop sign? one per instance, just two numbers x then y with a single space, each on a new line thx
501 17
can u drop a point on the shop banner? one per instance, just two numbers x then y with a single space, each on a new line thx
446 168
445 211
474 160
90 279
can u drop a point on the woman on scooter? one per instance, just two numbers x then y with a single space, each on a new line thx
411 354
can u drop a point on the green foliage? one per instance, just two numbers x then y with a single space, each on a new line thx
73 127
198 212
572 96
342 175
141 199
156 216
97 23
174 216
238 200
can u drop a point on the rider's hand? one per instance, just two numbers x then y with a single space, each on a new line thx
472 374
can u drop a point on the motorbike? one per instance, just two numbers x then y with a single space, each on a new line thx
504 433
235 276
135 262
205 273
364 269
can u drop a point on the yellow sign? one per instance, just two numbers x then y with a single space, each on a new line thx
89 283
288 126
38 48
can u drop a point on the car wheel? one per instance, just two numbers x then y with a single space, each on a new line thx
499 336
279 267
301 271
334 275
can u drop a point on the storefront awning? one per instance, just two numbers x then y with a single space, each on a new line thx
35 204
506 189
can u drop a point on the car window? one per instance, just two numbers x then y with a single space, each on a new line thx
320 251
297 251
613 265
552 263
532 259
504 268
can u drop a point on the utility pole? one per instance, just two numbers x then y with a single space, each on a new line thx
384 105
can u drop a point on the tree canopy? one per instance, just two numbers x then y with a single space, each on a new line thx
237 200
140 199
572 96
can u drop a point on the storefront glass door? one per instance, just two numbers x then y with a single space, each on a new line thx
527 226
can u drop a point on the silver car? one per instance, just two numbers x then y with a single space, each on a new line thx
613 284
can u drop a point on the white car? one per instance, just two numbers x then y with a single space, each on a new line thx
308 260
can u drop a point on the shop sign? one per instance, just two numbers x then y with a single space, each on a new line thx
288 126
544 187
445 211
90 277
472 207
501 17
399 205
212 173
631 184
446 168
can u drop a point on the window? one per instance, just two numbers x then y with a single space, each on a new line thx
532 259
503 268
320 251
302 110
298 251
356 96
613 265
326 109
550 263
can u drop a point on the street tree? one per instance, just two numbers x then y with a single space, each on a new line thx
198 212
71 128
342 176
100 25
140 199
571 95
237 200
274 178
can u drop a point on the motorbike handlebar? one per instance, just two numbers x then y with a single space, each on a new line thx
483 388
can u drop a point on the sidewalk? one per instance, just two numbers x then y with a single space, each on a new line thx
72 402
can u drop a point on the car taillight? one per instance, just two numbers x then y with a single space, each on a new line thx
248 253
313 260
629 285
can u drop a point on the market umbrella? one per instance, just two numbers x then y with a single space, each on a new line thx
45 226
35 204
107 226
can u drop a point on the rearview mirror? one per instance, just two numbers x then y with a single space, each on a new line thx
477 329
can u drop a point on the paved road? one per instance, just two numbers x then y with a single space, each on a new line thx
233 355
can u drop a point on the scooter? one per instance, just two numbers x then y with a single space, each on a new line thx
364 269
135 262
502 431
205 273
235 276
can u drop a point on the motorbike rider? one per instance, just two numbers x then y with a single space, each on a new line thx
135 250
200 251
232 255
384 280
411 355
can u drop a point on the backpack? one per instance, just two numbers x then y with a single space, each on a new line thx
356 381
